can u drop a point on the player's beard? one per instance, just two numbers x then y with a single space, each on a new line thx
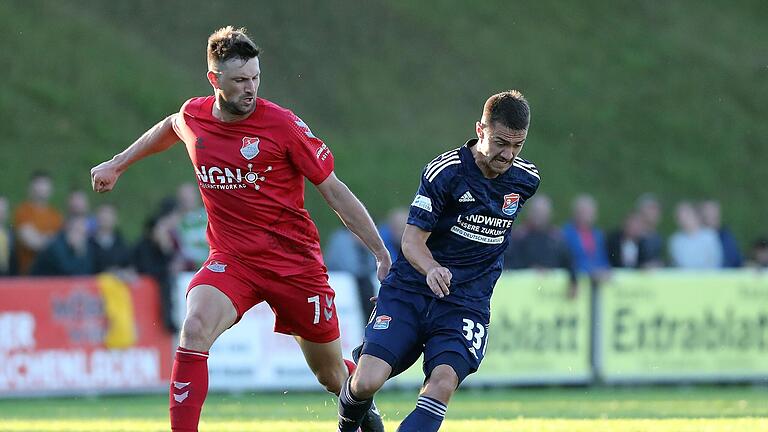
236 108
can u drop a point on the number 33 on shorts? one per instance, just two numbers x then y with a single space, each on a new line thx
476 336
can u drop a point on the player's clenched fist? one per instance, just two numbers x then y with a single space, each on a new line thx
104 176
439 280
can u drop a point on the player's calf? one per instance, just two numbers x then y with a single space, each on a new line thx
357 393
433 402
427 417
441 384
332 377
352 408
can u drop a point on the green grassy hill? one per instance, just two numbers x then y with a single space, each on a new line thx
627 96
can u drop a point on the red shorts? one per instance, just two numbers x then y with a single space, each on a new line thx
303 304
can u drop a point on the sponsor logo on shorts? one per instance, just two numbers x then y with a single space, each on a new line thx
382 322
216 267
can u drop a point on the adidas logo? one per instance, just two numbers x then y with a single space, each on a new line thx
467 197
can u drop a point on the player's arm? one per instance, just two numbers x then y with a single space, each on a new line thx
159 138
415 250
354 215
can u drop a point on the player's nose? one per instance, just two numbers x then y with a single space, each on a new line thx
250 86
507 154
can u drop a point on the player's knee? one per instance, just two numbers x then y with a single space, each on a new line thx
332 378
195 334
365 385
442 383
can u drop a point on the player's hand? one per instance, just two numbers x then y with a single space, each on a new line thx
439 280
383 264
104 176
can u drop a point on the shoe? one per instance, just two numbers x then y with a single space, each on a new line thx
372 421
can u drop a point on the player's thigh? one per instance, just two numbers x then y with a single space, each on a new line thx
393 333
217 297
457 337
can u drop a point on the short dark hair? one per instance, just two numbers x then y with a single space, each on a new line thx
508 108
227 43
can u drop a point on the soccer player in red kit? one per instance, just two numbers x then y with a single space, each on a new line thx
251 157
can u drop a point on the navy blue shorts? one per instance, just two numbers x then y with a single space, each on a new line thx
405 324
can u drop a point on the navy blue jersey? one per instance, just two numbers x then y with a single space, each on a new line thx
470 217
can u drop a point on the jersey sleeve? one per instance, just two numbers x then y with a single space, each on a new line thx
429 202
308 153
178 121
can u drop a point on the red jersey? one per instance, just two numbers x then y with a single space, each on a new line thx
251 177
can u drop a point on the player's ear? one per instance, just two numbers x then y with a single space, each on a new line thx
213 78
479 130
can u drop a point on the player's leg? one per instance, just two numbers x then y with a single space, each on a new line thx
212 297
453 350
326 362
209 313
355 406
304 307
390 337
433 401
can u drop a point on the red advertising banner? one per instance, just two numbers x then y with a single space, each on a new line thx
81 335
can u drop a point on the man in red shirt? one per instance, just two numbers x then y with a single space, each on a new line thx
251 156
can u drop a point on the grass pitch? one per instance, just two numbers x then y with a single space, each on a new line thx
665 409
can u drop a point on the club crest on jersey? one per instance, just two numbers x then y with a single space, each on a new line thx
250 147
382 322
216 267
509 207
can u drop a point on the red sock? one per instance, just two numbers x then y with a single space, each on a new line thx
351 366
189 386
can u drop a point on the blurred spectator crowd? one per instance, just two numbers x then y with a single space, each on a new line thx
37 239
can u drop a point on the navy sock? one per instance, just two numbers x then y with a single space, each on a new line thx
351 409
427 417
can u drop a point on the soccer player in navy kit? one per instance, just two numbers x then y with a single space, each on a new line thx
436 298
